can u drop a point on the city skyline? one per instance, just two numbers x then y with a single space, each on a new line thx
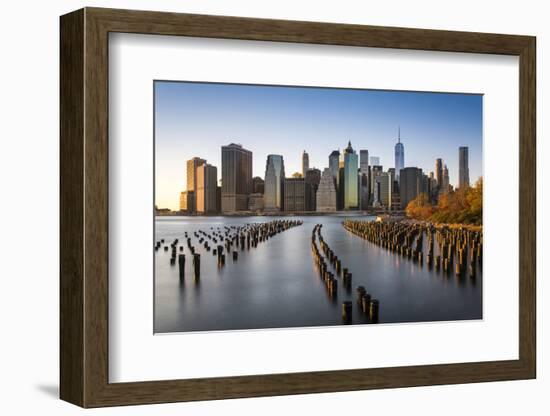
450 116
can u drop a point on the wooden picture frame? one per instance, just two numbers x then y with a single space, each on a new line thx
84 207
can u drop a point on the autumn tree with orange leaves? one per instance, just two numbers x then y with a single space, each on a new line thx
462 206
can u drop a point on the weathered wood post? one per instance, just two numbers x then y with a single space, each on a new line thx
347 308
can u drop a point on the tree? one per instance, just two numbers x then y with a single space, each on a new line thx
420 207
461 206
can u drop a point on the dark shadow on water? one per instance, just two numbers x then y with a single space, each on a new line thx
51 390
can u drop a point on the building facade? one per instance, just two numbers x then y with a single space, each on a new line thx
187 201
274 183
375 170
364 190
236 178
294 192
351 178
463 168
326 193
445 188
192 166
207 184
364 161
256 202
410 185
439 173
312 179
383 188
257 185
334 163
399 155
374 161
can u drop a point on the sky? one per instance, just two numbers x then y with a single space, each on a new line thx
196 119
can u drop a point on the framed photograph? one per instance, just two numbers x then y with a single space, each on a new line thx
255 207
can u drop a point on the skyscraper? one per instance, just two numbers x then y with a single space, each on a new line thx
274 183
463 169
192 165
312 179
334 163
410 184
439 173
326 194
351 198
305 163
364 161
363 190
207 183
236 178
187 199
399 154
445 179
375 170
294 194
383 190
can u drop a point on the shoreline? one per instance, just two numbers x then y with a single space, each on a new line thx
283 214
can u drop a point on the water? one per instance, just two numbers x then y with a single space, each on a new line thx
277 285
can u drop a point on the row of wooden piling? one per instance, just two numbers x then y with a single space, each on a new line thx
228 240
325 256
459 248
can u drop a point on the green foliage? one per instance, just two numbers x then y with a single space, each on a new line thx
462 206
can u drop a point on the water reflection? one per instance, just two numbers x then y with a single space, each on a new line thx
277 284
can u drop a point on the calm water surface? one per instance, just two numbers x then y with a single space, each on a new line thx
277 285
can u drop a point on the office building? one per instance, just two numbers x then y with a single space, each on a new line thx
363 190
351 165
256 202
257 185
410 185
439 173
383 190
305 163
274 183
294 194
236 178
364 161
463 169
374 161
445 179
326 193
207 184
312 179
399 155
192 165
374 172
187 201
334 163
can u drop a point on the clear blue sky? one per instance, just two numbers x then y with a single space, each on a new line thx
196 119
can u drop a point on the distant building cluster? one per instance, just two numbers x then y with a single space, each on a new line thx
350 182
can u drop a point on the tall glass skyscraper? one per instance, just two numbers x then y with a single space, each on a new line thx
274 183
399 154
351 177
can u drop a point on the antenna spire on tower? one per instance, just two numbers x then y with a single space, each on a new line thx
398 134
